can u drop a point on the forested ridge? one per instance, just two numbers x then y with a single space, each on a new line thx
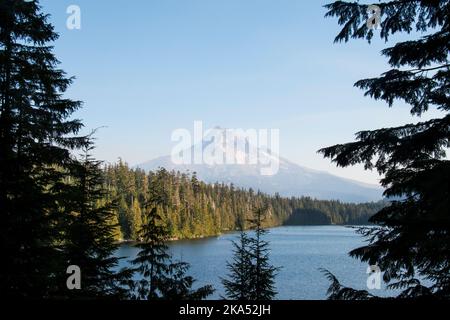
63 214
195 209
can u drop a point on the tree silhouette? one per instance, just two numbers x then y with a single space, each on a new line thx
89 233
161 279
411 242
237 286
153 259
263 275
251 274
36 136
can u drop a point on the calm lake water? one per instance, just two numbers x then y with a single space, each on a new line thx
300 251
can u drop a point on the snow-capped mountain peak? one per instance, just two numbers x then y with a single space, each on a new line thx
242 158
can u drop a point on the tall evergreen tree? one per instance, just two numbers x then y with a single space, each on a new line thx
152 261
411 242
89 234
252 277
160 278
36 137
136 218
237 285
263 276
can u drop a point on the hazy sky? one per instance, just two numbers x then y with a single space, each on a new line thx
147 67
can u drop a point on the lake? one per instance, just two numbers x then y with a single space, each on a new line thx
300 250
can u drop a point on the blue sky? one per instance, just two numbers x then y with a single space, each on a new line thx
147 67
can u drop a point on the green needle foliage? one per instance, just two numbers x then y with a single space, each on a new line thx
411 242
152 261
237 286
160 278
89 241
263 274
196 209
251 277
36 138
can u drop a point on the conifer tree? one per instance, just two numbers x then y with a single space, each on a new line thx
263 273
411 242
214 208
161 278
89 236
36 136
251 274
152 261
237 285
137 218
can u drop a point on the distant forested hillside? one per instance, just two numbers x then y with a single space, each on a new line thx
194 209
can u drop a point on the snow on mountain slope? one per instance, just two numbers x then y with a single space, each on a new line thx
290 179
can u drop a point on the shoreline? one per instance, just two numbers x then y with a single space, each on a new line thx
176 239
